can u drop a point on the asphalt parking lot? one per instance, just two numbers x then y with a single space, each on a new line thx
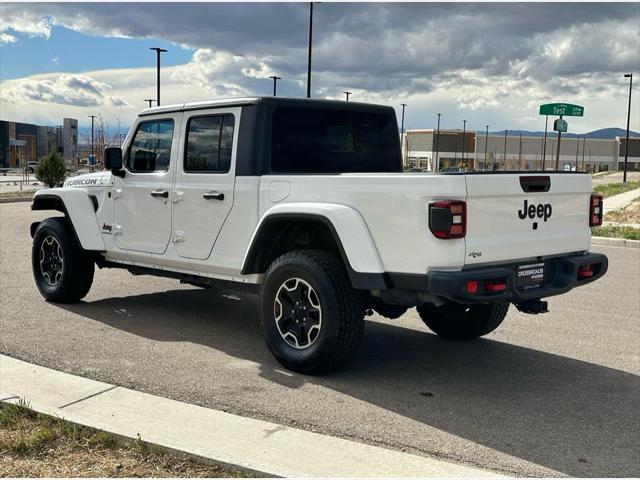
556 394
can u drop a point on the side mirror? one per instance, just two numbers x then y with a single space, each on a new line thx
113 160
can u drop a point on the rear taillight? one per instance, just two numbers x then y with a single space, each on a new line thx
447 218
595 211
585 271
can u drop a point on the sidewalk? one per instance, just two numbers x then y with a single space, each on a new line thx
262 447
621 200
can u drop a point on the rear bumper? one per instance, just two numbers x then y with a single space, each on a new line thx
561 275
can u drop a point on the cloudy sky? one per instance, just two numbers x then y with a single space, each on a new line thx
486 63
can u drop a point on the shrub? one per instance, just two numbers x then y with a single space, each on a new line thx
51 170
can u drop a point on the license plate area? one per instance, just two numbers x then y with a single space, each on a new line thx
530 276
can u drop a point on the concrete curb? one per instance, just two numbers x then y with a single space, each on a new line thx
615 242
249 444
15 199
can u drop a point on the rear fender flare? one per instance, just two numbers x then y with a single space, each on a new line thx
349 229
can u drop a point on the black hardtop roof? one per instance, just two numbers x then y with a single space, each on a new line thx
272 102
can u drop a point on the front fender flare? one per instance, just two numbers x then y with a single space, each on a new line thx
79 209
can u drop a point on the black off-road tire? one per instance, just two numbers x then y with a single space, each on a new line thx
76 275
455 321
342 310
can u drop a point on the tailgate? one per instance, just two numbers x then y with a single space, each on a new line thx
511 216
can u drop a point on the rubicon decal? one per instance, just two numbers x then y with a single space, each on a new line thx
541 210
81 181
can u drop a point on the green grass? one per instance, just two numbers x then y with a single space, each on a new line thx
611 189
628 233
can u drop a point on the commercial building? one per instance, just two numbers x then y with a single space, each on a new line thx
451 150
23 142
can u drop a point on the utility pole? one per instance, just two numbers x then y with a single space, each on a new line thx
347 94
158 52
310 43
275 80
584 142
626 142
150 101
544 145
404 105
486 143
436 166
464 130
92 149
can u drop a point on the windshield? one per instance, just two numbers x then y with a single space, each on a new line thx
333 141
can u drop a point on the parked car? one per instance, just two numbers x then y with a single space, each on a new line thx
305 203
31 166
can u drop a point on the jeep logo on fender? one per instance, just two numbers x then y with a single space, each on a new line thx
541 210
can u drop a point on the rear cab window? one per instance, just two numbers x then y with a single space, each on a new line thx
312 140
209 141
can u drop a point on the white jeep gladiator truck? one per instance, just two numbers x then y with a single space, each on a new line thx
305 202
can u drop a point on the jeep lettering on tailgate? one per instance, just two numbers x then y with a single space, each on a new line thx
541 210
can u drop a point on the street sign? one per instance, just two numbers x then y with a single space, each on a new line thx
560 125
565 109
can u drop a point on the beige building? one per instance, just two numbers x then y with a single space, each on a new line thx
450 150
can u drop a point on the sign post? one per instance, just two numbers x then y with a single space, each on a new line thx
559 125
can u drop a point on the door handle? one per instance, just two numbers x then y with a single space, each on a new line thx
213 196
160 193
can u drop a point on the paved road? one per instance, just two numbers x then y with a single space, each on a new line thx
553 394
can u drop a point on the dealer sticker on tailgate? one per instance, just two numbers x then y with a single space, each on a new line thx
530 276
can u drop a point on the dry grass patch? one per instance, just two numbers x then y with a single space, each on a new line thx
630 214
35 445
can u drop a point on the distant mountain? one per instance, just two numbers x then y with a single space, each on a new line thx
603 133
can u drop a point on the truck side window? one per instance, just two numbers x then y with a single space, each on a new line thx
150 150
208 144
315 140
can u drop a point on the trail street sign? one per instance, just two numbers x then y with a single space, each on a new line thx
560 125
565 109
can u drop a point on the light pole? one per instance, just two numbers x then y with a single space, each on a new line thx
626 142
275 80
437 166
404 105
92 119
504 156
464 130
347 94
158 52
150 101
520 152
310 43
486 143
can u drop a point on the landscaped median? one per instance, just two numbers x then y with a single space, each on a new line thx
622 223
37 445
611 189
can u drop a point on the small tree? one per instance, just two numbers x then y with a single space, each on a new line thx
51 170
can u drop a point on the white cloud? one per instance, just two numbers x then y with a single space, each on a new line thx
62 89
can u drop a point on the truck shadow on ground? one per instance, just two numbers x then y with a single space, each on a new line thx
575 417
